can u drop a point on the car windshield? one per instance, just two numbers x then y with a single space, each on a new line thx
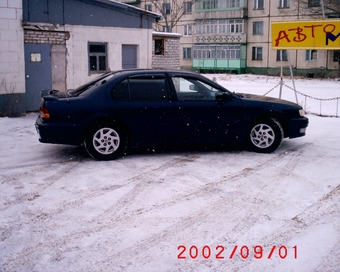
87 86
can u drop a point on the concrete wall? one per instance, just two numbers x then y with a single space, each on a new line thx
12 65
77 49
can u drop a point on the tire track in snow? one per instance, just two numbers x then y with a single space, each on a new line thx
200 216
241 224
142 184
213 186
329 204
144 180
44 218
47 182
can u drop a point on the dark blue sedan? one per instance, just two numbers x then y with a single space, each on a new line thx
154 107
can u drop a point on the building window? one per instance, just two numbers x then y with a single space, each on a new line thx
284 55
257 28
233 3
159 46
148 7
217 51
258 4
284 3
336 56
187 53
314 3
256 53
166 29
217 4
187 7
219 26
311 54
166 8
187 30
97 57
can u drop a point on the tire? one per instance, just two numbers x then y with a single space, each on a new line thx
105 141
265 136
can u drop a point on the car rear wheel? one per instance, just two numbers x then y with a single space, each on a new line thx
265 136
105 141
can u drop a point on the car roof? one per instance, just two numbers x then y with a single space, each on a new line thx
128 72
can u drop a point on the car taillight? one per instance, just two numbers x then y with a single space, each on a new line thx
44 113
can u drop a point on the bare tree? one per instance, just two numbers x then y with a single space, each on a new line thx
172 11
319 9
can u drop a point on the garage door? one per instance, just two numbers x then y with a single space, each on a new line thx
129 56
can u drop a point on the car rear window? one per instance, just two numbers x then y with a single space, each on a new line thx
90 85
141 89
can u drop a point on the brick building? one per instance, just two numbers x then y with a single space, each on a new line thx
166 50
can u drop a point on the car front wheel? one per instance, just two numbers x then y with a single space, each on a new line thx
105 141
265 136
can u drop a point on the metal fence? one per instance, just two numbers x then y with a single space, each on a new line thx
318 103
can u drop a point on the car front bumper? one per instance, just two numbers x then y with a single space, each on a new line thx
297 127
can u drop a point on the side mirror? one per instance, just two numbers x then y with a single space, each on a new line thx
192 87
224 97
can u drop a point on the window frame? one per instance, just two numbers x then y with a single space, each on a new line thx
187 7
166 8
220 51
336 56
220 26
159 42
310 55
166 29
258 4
187 31
187 53
284 55
148 7
284 4
312 3
258 27
97 55
256 55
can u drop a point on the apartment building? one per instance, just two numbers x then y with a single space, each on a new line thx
262 59
235 36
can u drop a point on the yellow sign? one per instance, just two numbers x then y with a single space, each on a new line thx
323 34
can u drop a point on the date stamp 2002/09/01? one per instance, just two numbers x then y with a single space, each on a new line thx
245 252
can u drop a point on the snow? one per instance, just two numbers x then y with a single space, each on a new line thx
60 210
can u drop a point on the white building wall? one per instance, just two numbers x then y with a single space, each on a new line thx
77 50
12 64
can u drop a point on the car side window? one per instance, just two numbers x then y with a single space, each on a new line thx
192 89
149 88
121 91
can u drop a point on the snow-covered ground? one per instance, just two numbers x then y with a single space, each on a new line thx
220 210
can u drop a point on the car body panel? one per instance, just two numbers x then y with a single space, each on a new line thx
222 117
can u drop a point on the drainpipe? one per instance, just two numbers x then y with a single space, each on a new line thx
324 17
269 21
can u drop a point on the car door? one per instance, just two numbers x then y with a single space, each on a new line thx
142 103
203 113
